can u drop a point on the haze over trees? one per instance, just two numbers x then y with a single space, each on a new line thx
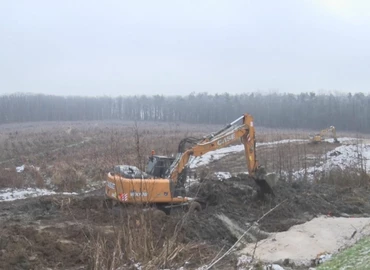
350 112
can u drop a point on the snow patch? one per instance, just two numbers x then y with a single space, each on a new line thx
223 175
343 139
19 169
244 259
214 155
323 258
273 267
342 157
220 153
9 194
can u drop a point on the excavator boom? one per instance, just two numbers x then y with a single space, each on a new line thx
230 134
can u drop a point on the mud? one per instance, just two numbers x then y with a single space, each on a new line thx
59 232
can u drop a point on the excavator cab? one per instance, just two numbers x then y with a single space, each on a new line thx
158 165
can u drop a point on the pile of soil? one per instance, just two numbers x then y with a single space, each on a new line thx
25 247
303 201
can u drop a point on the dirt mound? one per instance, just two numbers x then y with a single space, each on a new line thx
236 199
29 248
65 232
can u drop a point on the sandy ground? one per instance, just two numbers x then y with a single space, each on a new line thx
302 243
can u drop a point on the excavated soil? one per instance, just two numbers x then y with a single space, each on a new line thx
303 201
58 231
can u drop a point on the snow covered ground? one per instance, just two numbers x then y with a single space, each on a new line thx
356 155
342 157
220 153
344 139
10 194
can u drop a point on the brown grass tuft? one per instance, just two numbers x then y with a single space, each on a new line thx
146 238
67 178
351 177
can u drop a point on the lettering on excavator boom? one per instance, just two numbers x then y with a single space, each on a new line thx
226 139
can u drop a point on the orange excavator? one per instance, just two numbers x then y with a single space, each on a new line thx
162 184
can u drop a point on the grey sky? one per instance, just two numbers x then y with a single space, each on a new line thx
172 47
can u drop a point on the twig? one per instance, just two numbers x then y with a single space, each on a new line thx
354 233
241 237
254 250
217 254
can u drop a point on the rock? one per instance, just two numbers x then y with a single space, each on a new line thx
243 260
273 267
32 258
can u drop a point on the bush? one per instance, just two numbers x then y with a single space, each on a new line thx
146 238
9 178
350 177
68 178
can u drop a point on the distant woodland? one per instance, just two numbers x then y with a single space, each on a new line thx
349 112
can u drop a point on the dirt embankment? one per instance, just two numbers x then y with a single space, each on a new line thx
234 198
62 232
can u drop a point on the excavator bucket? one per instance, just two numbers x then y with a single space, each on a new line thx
265 180
264 186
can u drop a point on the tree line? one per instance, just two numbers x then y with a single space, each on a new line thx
349 112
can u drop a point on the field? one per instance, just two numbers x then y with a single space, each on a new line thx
53 213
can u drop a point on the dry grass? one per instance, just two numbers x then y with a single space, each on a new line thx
10 178
351 178
147 239
73 155
67 178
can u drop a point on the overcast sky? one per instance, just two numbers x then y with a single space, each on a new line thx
172 47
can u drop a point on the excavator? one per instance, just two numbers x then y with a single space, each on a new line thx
162 184
318 138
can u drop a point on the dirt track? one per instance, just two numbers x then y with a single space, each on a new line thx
58 231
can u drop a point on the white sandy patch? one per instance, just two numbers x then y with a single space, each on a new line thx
302 243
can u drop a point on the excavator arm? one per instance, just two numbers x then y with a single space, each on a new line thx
332 130
231 133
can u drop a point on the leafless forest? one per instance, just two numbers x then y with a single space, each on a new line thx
350 112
